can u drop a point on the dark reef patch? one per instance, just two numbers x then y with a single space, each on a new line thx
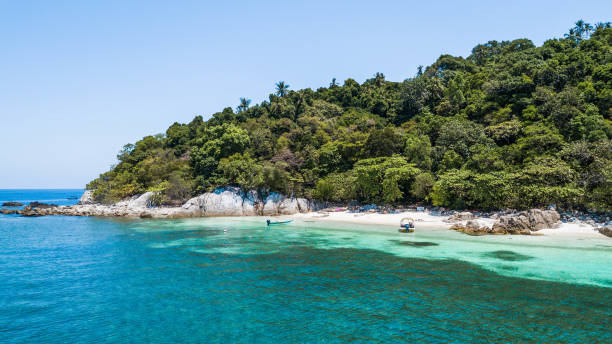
415 243
510 256
508 268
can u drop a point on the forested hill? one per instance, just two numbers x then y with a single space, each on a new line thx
512 125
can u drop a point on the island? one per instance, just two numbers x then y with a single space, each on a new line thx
513 127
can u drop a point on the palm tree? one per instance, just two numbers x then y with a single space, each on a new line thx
579 28
602 25
244 104
379 79
588 28
281 89
582 30
333 84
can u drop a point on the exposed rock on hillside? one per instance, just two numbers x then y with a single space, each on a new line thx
222 202
87 198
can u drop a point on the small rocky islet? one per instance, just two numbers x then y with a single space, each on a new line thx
12 204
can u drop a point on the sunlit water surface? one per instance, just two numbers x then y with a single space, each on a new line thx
71 279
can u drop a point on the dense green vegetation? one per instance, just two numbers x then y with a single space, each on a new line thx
511 125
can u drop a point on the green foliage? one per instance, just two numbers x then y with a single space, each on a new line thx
384 142
241 170
512 125
383 179
422 186
459 136
418 151
335 187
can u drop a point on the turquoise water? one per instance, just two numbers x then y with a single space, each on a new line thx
224 280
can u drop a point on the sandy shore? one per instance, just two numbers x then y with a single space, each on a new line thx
425 221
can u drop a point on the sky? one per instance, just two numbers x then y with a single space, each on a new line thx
79 79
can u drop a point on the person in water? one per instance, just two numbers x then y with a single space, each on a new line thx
268 221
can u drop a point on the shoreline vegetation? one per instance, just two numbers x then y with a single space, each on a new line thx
511 126
235 202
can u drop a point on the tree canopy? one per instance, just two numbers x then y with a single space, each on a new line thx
511 125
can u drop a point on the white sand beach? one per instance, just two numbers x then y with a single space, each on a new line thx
425 221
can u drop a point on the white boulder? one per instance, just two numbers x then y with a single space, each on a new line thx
303 205
271 203
288 206
87 198
143 201
222 202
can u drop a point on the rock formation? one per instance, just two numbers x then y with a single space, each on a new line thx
8 211
221 202
462 216
87 198
523 223
471 228
12 204
606 230
526 221
40 205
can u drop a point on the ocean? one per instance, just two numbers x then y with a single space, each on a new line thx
234 280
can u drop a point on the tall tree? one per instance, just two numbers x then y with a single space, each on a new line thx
282 88
244 104
582 30
379 79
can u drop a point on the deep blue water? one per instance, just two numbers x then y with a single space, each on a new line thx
54 196
82 280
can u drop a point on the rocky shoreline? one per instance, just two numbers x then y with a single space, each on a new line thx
523 223
221 202
232 201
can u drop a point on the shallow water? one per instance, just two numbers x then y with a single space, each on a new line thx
76 279
564 259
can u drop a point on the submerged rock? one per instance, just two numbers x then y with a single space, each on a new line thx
415 243
507 255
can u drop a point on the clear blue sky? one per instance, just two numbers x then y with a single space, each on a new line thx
79 79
